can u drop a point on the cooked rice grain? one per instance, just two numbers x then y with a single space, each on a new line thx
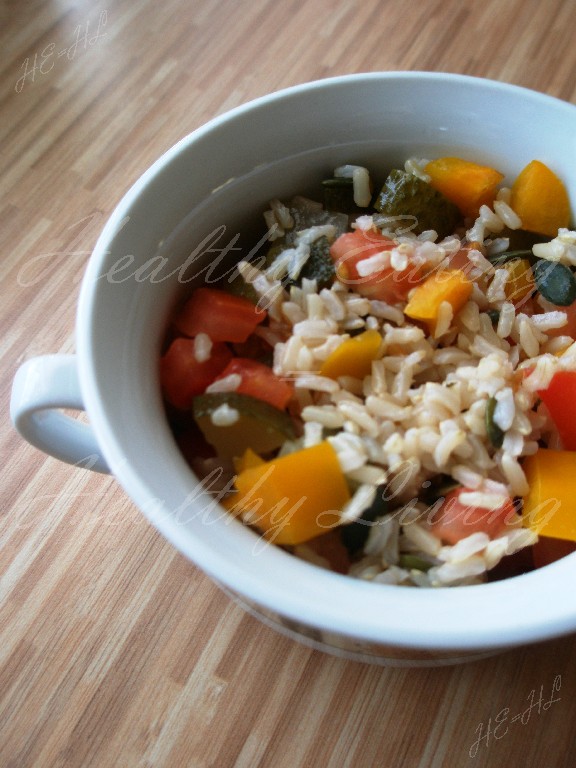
421 413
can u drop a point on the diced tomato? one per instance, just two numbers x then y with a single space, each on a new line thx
182 376
547 550
570 328
391 285
255 347
221 315
560 400
385 284
461 259
258 380
360 244
454 520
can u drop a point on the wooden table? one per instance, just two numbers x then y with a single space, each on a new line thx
116 651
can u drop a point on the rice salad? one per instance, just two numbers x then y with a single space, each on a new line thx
415 337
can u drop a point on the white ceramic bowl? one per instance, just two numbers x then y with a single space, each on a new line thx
174 224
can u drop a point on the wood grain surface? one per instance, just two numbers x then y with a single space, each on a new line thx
114 650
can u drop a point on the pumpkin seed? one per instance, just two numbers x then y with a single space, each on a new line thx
555 282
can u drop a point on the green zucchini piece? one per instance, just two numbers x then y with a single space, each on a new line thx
259 425
319 265
239 287
354 535
520 239
305 217
339 195
417 205
555 282
414 563
495 434
503 258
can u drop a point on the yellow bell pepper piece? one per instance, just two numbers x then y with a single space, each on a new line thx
540 199
520 283
248 459
353 357
468 185
549 509
449 285
296 497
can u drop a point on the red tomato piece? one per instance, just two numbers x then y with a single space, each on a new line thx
560 400
389 285
352 247
259 380
359 244
454 521
386 284
255 347
182 376
461 259
570 328
221 315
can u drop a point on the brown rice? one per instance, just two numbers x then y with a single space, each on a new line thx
421 412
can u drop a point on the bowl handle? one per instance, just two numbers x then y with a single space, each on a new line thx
41 386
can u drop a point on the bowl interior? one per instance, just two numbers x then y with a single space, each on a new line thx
195 213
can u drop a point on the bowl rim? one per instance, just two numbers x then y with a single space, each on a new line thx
498 614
